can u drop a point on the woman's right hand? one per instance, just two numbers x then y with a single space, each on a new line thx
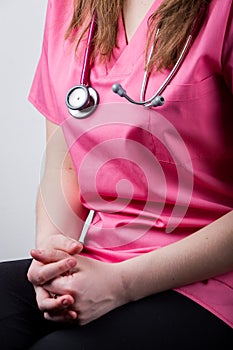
54 260
57 250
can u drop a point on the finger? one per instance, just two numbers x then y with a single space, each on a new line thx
48 304
67 316
52 270
41 294
55 310
56 305
61 284
48 255
66 244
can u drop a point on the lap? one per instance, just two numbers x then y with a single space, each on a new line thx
164 321
160 321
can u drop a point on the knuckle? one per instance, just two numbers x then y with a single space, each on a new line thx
40 279
40 304
32 278
82 320
29 277
30 273
40 307
47 316
56 253
69 291
62 267
70 288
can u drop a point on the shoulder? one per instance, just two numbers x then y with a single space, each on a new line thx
60 5
222 6
219 15
59 13
58 16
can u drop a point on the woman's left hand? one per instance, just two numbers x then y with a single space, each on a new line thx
95 286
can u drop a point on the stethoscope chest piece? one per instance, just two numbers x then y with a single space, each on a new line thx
82 101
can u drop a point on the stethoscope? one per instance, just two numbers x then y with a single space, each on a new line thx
82 100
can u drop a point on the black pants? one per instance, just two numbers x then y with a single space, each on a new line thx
164 321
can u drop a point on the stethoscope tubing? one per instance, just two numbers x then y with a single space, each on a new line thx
86 98
84 79
147 103
193 32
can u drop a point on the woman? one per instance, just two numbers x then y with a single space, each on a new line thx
155 268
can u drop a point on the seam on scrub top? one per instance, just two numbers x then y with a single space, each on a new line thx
222 282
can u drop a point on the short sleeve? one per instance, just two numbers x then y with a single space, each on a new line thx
227 53
42 94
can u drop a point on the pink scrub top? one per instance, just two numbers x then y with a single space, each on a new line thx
152 176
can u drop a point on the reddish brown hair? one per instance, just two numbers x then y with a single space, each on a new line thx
175 19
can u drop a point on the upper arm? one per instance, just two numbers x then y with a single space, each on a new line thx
57 152
59 189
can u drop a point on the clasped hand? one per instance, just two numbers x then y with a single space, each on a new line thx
69 286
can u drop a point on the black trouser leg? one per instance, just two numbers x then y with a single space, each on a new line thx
164 321
21 322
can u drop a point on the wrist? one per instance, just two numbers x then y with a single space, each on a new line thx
138 278
58 241
42 240
127 282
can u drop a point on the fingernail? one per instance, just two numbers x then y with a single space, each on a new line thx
74 245
36 253
65 302
73 316
71 262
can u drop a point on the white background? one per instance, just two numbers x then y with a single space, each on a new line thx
22 132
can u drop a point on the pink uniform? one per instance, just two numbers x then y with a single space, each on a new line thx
152 176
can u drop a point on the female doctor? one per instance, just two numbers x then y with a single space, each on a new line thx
155 268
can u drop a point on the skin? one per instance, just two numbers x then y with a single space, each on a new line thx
87 288
133 15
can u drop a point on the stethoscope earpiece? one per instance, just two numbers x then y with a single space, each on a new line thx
157 101
118 89
81 101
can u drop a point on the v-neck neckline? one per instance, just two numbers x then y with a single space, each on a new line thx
141 24
123 53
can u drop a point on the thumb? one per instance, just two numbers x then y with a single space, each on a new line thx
67 244
76 247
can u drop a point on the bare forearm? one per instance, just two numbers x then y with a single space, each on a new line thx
206 253
58 208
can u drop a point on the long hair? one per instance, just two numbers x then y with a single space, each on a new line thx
174 18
